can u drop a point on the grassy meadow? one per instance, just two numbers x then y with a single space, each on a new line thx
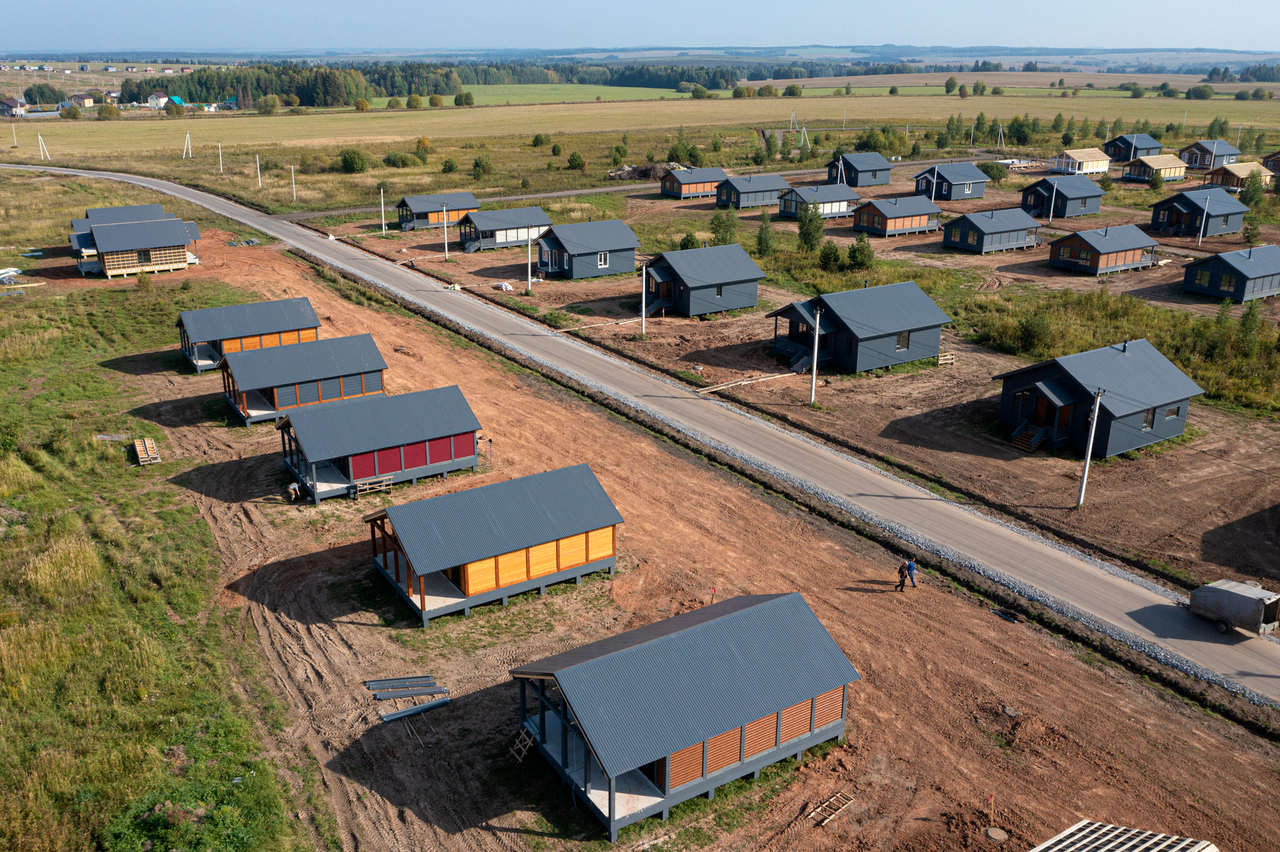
555 93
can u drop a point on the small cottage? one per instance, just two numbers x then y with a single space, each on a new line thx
952 182
264 384
868 168
157 100
1104 250
1062 197
481 230
1233 177
449 553
992 230
1271 162
861 329
736 686
889 217
1202 212
82 101
1250 273
348 447
417 212
1209 154
13 108
1145 400
124 241
750 191
1131 146
1080 161
692 183
1170 168
701 281
834 200
206 335
588 249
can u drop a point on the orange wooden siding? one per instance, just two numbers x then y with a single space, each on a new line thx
542 559
306 335
686 765
762 734
795 720
266 341
830 706
723 750
507 569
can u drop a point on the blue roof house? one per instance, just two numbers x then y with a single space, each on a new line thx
587 249
869 168
952 182
1251 273
992 230
702 281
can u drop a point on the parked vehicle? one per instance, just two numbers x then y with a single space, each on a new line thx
1230 604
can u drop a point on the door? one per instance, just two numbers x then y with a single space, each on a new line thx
1042 411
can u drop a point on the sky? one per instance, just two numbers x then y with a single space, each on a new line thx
315 26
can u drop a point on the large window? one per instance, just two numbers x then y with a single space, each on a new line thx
1148 419
1172 413
903 342
602 260
1227 282
973 238
1202 278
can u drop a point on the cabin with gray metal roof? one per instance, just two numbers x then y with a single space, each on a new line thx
639 722
1104 250
449 553
1204 212
370 443
750 191
1063 196
867 168
1209 154
1144 400
1131 146
1250 273
992 230
889 217
861 329
494 229
701 281
587 249
832 199
417 212
691 183
123 241
265 384
952 182
206 335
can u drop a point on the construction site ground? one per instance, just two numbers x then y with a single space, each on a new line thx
930 738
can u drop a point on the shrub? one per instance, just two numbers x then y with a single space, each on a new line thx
481 166
1136 91
1068 138
298 110
757 156
266 105
744 92
413 102
524 183
1157 182
793 91
422 149
310 165
144 282
464 99
1169 92
809 227
700 93
767 91
400 160
540 139
1105 182
172 109
106 112
950 85
1253 190
829 256
764 236
353 161
1202 92
291 101
577 162
997 90
996 171
689 242
449 165
861 255
555 150
71 112
362 105
964 92
893 90
1242 95
1251 234
394 103
383 186
1260 94
724 228
717 144
435 101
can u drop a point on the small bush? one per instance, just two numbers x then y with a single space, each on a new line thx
690 241
829 256
1157 182
893 90
435 101
449 165
481 166
394 103
764 236
291 101
70 112
414 102
1242 95
353 161
1105 182
144 282
555 150
106 112
541 139
464 99
996 171
400 160
362 105
265 105
1202 92
793 91
861 254
577 162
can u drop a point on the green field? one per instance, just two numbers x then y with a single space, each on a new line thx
555 93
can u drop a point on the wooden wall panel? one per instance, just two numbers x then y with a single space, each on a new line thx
829 707
287 337
723 750
249 343
479 576
542 559
269 340
573 551
512 568
231 345
686 765
795 721
306 334
762 734
599 544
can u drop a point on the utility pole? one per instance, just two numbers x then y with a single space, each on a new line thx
294 180
1184 121
444 216
1088 449
813 382
219 158
382 205
14 126
529 264
1052 199
258 165
1204 221
644 291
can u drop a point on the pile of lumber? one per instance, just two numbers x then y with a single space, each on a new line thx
413 686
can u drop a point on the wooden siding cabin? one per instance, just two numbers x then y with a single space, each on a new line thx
750 191
1271 162
1205 212
123 241
1062 197
701 281
206 335
417 212
1251 273
992 230
1209 154
587 249
495 229
639 722
344 448
692 183
952 182
1232 178
449 553
1170 168
861 329
864 169
1049 404
889 217
834 200
1080 161
1103 251
1131 146
265 384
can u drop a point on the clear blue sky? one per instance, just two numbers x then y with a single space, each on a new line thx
319 25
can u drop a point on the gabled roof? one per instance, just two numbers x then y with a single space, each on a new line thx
956 173
589 237
910 205
1085 155
1112 239
304 362
257 318
827 193
998 221
519 217
1243 170
867 161
370 423
1138 140
1256 262
651 691
758 183
1160 161
1134 375
1219 201
115 215
1073 186
1217 147
707 175
137 236
454 529
704 267
434 203
873 311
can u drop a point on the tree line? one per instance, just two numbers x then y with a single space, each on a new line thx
317 86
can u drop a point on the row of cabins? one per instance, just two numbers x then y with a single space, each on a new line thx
124 241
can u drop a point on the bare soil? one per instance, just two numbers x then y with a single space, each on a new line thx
928 738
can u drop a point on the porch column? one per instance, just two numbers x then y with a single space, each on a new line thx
373 540
422 593
564 740
613 795
523 714
542 715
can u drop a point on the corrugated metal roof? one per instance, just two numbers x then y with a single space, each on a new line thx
1159 161
1139 140
758 183
911 205
826 193
1243 170
305 362
518 217
1112 239
434 203
805 312
1221 202
81 240
1089 836
887 309
867 161
998 221
1256 262
116 215
956 173
137 236
707 175
376 422
212 324
589 237
1085 155
454 529
703 267
652 691
1135 376
1217 147
1072 186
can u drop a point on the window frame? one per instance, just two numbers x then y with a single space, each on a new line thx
902 342
602 260
1148 420
1173 413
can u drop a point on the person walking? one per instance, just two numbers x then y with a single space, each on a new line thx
902 577
911 570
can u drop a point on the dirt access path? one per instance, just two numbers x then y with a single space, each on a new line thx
929 739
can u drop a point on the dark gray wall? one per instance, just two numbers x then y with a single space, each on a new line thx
1244 289
693 302
875 352
586 265
985 242
951 192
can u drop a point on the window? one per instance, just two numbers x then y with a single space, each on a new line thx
719 290
542 253
920 186
1172 413
879 222
1064 252
953 234
1083 203
968 188
903 342
1227 282
1148 419
946 187
973 238
1202 278
1085 256
602 260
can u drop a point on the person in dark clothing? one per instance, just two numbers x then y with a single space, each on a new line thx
902 577
911 570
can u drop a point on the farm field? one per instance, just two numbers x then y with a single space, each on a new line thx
554 93
1034 83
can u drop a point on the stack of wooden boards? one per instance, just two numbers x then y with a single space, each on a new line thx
146 450
407 687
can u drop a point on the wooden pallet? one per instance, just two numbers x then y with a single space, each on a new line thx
831 808
521 746
946 359
146 451
382 483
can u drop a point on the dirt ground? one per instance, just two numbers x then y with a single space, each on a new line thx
929 740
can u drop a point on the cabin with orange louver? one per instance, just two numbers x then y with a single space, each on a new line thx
208 334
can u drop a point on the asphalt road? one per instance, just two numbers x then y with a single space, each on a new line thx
1251 662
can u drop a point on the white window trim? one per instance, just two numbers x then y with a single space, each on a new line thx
602 260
